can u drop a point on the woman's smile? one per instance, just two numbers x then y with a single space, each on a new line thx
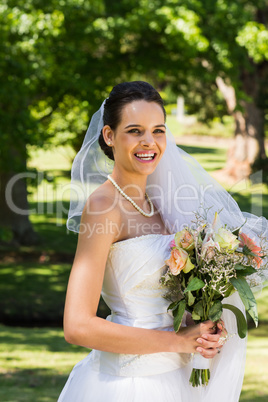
146 157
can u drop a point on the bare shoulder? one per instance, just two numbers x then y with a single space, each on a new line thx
101 214
102 200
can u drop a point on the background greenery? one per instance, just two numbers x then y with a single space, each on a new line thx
58 61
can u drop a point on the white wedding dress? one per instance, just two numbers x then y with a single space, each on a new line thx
132 290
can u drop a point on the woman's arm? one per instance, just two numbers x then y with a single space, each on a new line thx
83 327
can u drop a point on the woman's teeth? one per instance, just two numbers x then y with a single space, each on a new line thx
146 157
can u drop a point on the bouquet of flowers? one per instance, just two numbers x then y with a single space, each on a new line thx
206 265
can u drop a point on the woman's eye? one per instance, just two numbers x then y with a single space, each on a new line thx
138 131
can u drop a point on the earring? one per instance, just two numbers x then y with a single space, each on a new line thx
109 143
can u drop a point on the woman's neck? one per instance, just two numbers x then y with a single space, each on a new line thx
132 184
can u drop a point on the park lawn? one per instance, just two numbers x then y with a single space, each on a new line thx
32 293
251 196
255 387
216 128
51 159
34 363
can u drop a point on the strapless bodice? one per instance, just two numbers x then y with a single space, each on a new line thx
132 290
132 287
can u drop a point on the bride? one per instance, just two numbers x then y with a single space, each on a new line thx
125 228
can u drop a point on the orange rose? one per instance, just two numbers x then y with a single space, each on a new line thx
178 261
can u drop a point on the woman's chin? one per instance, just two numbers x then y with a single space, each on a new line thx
146 170
147 166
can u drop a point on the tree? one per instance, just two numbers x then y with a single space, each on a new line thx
25 37
236 59
51 60
201 49
60 59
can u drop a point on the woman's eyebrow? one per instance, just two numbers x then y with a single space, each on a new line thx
138 125
133 125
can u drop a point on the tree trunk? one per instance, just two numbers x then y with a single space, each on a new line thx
238 165
248 148
14 208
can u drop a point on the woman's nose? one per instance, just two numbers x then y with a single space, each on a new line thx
147 138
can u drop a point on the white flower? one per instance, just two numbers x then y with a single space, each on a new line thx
226 239
209 249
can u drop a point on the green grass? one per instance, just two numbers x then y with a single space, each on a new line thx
210 158
50 223
59 158
251 197
32 292
255 387
34 363
216 128
262 300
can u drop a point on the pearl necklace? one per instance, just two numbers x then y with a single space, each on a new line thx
133 202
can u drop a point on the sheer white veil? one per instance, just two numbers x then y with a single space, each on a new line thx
178 187
90 169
